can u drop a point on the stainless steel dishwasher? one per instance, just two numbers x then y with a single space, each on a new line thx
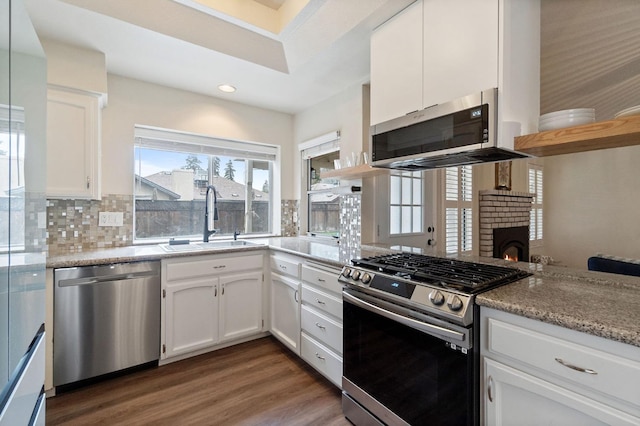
106 318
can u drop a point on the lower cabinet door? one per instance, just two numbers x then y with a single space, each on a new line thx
191 315
512 397
285 311
323 359
240 305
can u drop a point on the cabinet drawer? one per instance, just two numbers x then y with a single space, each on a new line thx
605 373
285 266
323 328
323 301
181 269
325 279
322 359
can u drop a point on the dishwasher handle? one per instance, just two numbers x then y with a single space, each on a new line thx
105 278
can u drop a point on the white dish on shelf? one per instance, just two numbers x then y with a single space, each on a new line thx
569 113
562 122
634 110
566 118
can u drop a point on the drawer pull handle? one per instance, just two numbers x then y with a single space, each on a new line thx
575 367
283 267
220 267
320 301
295 296
319 356
489 389
321 280
320 326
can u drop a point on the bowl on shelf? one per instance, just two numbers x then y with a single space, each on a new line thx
566 118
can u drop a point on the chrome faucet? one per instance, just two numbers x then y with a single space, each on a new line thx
210 220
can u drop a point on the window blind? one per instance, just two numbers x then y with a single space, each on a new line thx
171 140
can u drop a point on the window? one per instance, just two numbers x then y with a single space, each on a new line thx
323 199
458 204
172 173
405 203
12 179
535 187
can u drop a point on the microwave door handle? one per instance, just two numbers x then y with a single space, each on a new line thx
431 329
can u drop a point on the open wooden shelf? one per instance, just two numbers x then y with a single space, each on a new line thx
356 172
623 131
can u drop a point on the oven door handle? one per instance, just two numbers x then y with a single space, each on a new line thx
431 329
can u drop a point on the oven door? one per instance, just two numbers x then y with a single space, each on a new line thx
403 367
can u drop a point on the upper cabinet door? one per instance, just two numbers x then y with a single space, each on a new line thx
396 65
460 48
73 145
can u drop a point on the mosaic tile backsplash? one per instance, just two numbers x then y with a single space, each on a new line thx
72 225
289 218
350 222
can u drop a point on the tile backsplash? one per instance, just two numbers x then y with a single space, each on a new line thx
72 225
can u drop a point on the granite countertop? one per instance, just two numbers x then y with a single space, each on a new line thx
600 304
604 305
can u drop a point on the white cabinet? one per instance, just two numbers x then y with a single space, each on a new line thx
285 300
240 305
436 51
321 320
210 300
73 144
460 48
191 315
518 398
538 373
396 65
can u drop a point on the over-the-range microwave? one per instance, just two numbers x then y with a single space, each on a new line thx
462 131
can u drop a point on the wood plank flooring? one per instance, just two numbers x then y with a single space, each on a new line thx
254 383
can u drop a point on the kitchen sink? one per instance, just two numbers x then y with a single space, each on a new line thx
211 245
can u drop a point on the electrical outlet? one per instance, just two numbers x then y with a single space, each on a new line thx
110 219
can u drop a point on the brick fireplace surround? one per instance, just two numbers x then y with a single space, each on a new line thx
501 209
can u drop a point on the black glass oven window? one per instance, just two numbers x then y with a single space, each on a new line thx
413 374
461 128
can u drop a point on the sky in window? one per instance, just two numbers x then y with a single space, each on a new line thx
151 161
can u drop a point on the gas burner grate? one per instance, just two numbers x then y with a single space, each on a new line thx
449 273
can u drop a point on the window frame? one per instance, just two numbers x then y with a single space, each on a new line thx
536 218
462 206
147 137
406 200
317 147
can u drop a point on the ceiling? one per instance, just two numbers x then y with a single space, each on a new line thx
311 50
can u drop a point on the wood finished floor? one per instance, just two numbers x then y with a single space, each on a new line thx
255 383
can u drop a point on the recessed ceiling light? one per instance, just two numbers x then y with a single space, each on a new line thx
227 88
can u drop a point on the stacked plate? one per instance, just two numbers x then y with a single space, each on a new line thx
566 118
634 110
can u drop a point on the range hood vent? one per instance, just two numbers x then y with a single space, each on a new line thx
483 155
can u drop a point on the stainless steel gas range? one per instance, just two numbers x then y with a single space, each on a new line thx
411 351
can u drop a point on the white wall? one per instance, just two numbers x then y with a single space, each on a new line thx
592 205
347 112
342 112
134 102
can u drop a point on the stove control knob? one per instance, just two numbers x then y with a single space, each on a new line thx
436 297
355 275
346 272
454 303
366 278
